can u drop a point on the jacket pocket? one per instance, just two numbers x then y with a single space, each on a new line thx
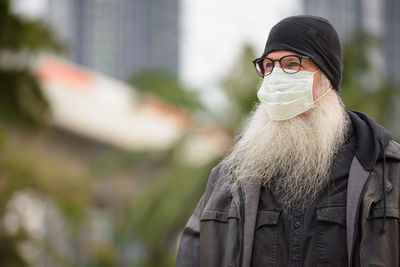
267 217
383 248
376 221
214 215
331 249
266 238
390 213
219 237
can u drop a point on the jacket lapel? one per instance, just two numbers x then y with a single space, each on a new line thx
358 176
251 199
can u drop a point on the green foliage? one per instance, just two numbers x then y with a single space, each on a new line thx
22 168
159 210
21 100
8 251
378 102
22 103
168 88
240 86
20 34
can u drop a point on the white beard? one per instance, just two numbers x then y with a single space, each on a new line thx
291 158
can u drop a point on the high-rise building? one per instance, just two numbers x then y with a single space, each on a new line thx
343 14
378 18
391 38
119 37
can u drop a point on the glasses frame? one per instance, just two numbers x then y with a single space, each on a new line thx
255 61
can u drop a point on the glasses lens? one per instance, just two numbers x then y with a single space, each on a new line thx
291 64
259 67
264 66
268 65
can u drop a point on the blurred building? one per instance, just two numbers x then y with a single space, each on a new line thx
345 15
391 39
118 37
378 18
107 111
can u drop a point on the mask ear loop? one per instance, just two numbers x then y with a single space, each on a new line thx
324 94
327 91
316 71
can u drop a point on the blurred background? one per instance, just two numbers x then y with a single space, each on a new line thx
113 112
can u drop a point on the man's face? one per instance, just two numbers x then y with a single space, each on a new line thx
306 65
291 157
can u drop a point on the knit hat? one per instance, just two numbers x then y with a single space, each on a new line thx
310 36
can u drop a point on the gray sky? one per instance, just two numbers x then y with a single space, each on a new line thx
31 8
214 32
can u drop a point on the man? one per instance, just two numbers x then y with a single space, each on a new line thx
308 183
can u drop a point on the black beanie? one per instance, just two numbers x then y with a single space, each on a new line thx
310 36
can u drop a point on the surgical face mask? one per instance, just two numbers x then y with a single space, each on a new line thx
287 95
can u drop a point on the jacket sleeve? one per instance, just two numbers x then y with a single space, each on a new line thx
189 245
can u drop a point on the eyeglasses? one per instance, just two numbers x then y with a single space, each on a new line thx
290 64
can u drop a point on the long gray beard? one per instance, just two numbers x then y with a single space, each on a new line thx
291 158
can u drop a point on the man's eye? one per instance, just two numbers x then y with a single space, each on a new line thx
292 65
268 66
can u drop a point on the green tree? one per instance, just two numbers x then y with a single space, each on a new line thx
22 104
240 86
156 214
168 88
364 88
20 40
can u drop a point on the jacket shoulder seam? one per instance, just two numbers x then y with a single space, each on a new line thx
393 149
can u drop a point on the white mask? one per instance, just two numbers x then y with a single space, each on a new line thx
287 95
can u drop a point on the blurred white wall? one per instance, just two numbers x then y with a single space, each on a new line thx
110 111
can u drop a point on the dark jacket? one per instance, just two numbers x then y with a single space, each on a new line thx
220 232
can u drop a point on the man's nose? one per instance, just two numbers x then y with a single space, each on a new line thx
277 64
